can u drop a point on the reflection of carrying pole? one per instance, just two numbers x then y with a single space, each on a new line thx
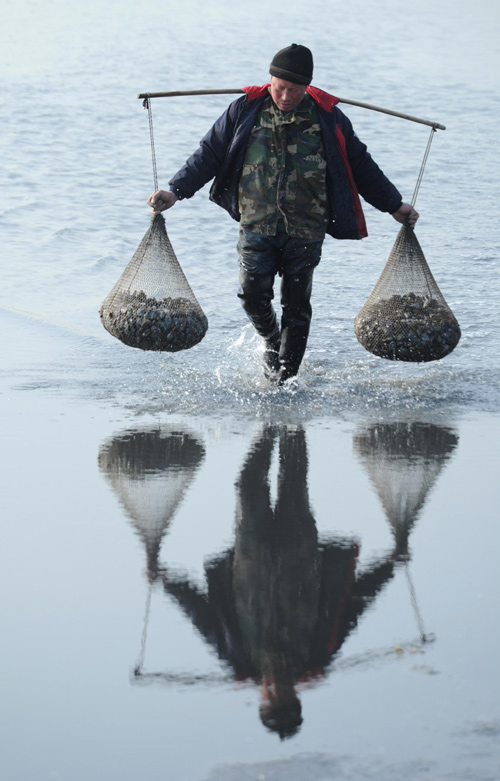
377 654
180 93
339 664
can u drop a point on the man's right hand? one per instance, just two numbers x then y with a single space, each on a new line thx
161 200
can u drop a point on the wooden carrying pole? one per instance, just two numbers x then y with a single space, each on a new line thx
147 95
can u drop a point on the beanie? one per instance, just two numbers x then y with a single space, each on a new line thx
294 63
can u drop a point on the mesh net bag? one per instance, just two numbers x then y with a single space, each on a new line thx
406 317
152 306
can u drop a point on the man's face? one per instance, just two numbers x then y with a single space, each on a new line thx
286 94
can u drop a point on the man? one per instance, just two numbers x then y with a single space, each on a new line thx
288 167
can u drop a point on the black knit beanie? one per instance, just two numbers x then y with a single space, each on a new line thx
294 63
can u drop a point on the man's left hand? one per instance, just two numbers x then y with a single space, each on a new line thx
406 214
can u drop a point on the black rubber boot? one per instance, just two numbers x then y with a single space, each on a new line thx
295 322
256 297
271 361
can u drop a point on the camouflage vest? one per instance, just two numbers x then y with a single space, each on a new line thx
283 181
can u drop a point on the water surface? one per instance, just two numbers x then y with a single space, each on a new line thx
204 577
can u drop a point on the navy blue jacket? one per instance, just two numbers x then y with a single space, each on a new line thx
350 167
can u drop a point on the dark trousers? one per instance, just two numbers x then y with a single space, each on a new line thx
261 258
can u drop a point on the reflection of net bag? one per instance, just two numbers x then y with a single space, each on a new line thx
403 461
150 472
406 317
152 306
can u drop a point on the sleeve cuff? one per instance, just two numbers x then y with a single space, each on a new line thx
177 192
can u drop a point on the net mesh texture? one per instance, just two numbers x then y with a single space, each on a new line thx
406 317
152 306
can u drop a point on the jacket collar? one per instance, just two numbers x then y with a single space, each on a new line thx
323 99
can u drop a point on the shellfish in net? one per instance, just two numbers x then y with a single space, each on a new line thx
406 317
152 306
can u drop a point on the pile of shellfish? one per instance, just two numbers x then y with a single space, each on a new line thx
407 328
167 324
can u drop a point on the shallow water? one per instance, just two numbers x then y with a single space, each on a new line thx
174 530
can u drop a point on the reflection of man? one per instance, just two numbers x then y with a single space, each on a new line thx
280 604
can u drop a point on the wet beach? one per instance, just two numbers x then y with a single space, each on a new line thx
204 577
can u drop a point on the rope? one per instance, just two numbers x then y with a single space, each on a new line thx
140 661
147 104
413 597
420 175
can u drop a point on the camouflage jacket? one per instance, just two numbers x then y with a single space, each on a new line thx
283 180
350 169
